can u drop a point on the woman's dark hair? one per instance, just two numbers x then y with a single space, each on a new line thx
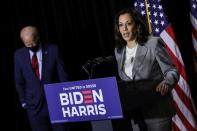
140 31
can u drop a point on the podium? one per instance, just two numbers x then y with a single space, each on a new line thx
85 100
138 94
97 100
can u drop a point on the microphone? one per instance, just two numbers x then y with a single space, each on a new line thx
98 61
109 59
90 64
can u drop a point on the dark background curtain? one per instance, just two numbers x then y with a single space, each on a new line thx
83 30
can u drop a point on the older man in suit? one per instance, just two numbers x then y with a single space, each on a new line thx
35 65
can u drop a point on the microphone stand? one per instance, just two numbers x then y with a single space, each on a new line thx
96 61
89 74
89 64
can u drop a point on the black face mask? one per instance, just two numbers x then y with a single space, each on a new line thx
34 49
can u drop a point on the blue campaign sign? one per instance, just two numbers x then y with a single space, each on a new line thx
85 100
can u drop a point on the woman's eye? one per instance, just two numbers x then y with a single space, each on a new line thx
129 23
120 25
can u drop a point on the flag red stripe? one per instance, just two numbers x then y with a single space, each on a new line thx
183 119
170 31
184 99
168 37
194 32
174 127
176 63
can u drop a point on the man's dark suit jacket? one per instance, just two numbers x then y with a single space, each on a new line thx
29 88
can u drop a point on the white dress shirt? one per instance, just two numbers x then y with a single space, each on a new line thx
129 60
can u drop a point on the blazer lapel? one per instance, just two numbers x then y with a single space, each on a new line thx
27 61
139 58
122 58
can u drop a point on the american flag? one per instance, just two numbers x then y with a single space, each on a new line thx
193 17
152 10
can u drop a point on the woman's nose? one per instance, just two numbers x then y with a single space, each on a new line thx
125 27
